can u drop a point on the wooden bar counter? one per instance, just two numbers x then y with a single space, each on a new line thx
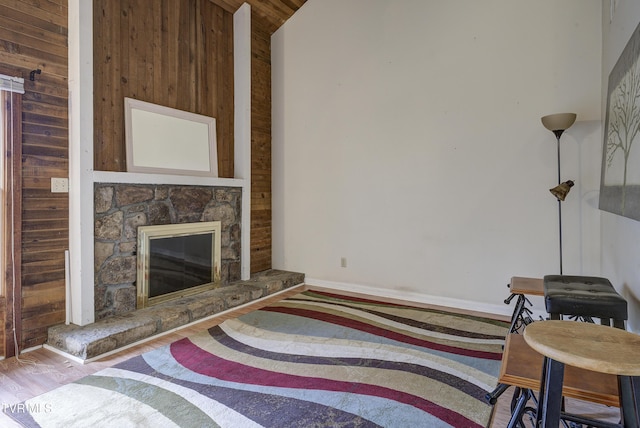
522 367
529 286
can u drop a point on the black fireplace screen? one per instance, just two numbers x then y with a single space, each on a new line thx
178 263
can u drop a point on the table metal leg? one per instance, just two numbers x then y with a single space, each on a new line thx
493 396
518 410
541 394
550 405
629 388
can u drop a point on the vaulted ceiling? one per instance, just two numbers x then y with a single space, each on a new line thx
273 12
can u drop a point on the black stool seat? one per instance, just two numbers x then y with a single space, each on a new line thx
586 296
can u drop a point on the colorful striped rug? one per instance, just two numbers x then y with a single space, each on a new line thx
313 360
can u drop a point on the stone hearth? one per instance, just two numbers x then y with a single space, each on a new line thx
112 333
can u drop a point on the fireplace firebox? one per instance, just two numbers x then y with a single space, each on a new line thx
177 260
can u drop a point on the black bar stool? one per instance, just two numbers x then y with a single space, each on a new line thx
584 296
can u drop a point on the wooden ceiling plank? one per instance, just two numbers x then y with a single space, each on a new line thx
296 4
271 18
274 13
229 5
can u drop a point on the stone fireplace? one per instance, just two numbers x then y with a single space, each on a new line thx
119 209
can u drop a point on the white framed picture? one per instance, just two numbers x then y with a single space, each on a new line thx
164 140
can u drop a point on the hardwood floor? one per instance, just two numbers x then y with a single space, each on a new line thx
502 411
42 370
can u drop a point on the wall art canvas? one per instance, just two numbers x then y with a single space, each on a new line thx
620 178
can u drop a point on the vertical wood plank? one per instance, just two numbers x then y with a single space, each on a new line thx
193 63
184 62
196 51
170 42
119 85
143 37
158 49
260 144
225 98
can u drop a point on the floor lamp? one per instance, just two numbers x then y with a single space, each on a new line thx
558 123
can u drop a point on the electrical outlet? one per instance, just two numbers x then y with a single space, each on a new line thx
343 262
59 185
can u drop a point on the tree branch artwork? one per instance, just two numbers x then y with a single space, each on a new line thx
620 177
624 122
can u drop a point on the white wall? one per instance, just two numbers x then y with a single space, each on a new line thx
620 235
407 139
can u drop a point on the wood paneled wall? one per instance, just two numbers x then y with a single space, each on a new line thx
180 54
33 35
260 144
170 52
177 54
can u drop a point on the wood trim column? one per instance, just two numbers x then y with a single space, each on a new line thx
12 205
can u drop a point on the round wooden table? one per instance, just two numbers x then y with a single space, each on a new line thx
588 346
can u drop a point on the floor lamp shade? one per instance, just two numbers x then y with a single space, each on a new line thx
559 121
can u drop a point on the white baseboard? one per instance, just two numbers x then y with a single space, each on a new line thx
500 309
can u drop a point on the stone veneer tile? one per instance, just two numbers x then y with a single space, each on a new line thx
240 294
199 309
170 317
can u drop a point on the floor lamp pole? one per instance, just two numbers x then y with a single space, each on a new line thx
558 123
558 134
